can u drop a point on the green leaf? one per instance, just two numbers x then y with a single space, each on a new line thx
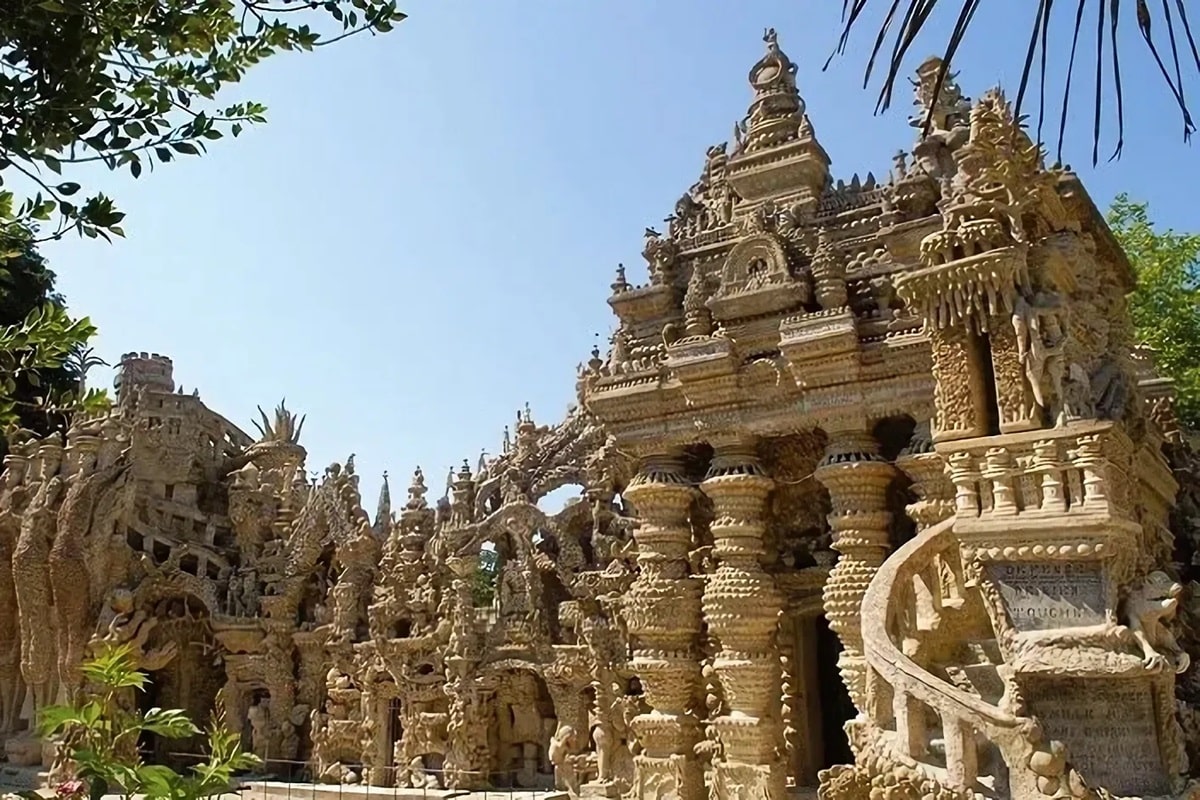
158 781
168 723
69 188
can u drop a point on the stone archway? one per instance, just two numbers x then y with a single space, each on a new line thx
524 724
189 681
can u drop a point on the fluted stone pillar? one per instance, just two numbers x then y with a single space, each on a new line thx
663 617
742 607
857 479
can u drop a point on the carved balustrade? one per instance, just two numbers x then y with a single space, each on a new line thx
918 718
1068 487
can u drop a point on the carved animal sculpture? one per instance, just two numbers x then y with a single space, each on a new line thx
1147 610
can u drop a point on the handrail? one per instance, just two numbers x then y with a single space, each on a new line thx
885 658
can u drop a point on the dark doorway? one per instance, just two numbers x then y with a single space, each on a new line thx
836 707
152 747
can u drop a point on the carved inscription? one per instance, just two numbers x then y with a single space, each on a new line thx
1046 596
1109 728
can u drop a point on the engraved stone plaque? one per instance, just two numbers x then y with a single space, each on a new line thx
1050 595
1109 728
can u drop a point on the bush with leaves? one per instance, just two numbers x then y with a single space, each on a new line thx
44 357
1166 304
483 582
128 83
46 341
100 735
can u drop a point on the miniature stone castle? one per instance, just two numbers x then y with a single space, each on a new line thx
875 498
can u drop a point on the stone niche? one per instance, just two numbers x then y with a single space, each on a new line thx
1040 596
1110 727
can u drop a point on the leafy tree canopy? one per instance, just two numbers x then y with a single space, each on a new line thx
43 352
131 83
1165 30
1166 305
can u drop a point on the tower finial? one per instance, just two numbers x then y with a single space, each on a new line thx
383 512
620 284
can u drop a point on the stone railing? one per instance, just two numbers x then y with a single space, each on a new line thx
912 592
984 748
1077 471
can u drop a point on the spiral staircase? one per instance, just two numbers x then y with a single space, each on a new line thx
947 667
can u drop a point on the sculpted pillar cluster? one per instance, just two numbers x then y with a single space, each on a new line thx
742 608
857 479
663 617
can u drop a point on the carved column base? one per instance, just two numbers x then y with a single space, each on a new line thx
671 777
732 779
597 790
750 682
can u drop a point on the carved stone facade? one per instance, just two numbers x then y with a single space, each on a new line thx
873 496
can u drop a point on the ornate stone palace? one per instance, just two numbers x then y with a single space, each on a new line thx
876 496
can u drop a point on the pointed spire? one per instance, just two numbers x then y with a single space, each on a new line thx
383 512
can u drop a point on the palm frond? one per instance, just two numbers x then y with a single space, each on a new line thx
904 28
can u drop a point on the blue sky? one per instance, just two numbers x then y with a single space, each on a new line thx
422 238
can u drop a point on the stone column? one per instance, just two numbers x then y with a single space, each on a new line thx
742 607
960 395
857 479
931 485
663 618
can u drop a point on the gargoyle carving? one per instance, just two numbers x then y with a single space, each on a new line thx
1148 609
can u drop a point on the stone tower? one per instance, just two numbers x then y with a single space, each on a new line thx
150 370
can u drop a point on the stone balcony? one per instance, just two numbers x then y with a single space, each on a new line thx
1044 490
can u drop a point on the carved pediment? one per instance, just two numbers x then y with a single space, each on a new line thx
756 279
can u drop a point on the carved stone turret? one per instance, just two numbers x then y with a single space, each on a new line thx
777 153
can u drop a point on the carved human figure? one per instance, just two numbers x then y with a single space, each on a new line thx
563 745
259 716
513 596
31 574
1040 343
248 599
602 735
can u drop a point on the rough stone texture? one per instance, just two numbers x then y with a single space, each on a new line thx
874 496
